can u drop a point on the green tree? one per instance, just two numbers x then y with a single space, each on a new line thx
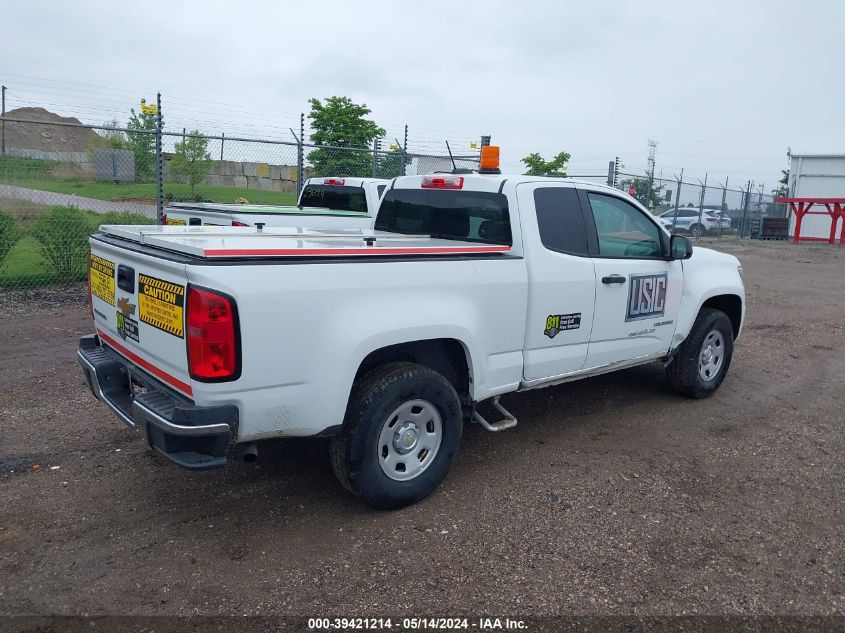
191 159
115 139
141 141
782 190
537 166
340 123
650 196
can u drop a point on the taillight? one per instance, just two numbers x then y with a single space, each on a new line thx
442 182
236 223
334 181
213 346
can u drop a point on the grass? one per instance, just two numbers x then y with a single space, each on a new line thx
146 191
70 178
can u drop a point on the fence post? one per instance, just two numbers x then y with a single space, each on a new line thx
159 163
3 114
405 150
375 160
701 199
677 200
722 206
747 193
300 154
222 141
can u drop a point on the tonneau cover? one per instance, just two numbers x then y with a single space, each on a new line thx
244 242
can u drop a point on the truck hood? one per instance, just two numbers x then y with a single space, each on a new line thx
709 256
210 242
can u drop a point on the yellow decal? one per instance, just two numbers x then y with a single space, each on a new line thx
175 221
161 304
102 279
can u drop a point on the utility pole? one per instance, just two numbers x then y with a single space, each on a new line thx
3 133
615 171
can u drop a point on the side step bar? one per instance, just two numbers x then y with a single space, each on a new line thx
508 422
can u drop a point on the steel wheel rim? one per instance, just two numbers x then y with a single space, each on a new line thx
409 440
712 356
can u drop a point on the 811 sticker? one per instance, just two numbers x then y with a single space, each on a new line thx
559 322
161 304
102 279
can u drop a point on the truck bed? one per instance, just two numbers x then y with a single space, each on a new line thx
208 242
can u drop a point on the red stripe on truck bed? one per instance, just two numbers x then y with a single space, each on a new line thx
368 250
155 371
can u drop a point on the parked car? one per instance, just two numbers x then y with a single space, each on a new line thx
690 221
330 203
470 287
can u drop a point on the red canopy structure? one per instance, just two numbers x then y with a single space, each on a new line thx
801 207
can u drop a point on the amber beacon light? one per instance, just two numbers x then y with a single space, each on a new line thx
489 163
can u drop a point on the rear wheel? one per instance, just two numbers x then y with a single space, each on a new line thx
704 357
400 436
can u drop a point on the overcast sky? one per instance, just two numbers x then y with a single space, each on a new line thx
723 87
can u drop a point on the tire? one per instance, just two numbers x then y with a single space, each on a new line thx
697 230
688 374
358 452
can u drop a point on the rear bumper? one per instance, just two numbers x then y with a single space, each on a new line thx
193 437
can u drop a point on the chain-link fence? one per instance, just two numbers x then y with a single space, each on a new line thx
60 180
699 209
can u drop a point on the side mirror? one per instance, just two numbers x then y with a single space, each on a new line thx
680 247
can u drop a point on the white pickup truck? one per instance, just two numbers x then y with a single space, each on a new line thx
333 203
470 287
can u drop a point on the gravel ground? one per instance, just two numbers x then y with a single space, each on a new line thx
612 496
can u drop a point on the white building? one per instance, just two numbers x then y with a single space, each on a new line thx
816 176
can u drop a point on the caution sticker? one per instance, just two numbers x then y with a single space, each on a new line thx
161 304
175 222
102 279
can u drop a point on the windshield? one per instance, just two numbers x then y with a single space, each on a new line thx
339 198
469 216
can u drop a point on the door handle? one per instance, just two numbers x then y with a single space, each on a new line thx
613 279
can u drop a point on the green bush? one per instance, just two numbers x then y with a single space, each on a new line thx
63 235
9 233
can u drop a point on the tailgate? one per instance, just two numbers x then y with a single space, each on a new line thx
139 310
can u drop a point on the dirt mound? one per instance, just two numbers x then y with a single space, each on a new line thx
49 138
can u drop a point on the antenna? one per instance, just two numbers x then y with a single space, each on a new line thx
452 158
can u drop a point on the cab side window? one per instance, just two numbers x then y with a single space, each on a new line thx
560 220
623 230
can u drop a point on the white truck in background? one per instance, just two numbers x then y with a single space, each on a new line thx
331 203
471 286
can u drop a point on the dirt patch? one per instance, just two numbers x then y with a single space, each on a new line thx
49 138
612 495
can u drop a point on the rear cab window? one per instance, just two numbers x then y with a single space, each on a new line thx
335 197
560 220
467 216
